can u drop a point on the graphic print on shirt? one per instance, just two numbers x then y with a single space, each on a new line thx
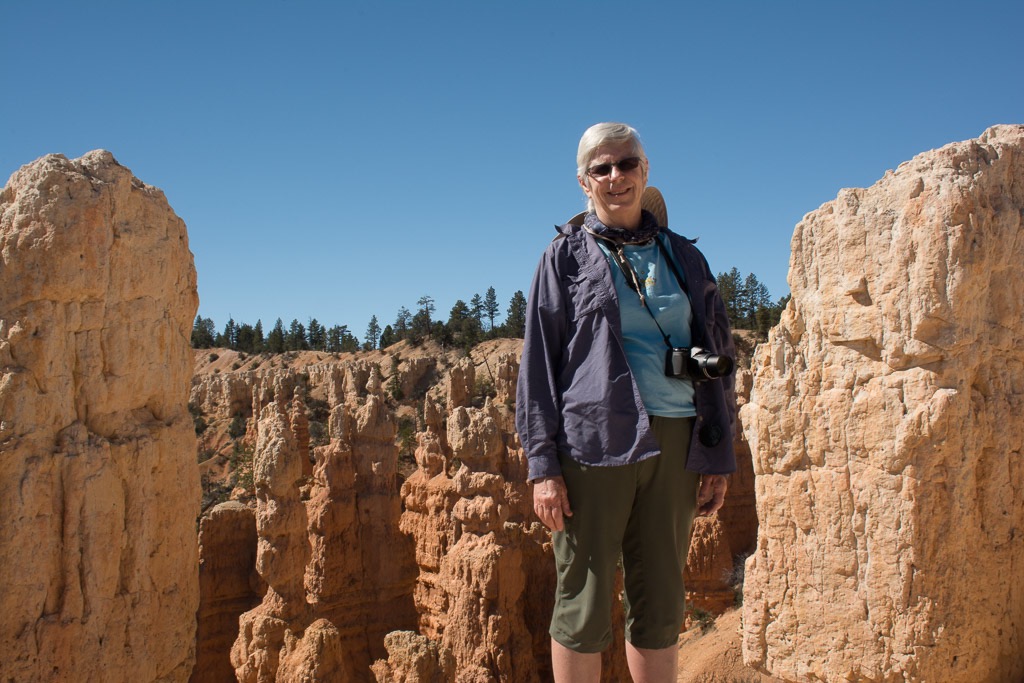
651 280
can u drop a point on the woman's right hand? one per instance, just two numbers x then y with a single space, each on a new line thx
551 502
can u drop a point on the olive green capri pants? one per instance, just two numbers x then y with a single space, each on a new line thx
643 513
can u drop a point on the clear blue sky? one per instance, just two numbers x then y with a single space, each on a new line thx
338 160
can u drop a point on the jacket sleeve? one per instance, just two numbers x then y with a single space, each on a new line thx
538 399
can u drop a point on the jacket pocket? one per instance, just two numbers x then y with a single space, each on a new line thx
579 295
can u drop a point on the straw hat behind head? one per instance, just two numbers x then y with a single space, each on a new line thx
651 201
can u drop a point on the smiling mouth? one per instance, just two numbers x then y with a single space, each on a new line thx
620 193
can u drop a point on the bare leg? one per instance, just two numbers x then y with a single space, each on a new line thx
652 666
570 666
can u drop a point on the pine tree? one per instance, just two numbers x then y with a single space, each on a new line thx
421 322
491 307
394 386
245 338
229 337
752 300
295 338
462 327
387 337
349 342
420 327
275 340
403 321
316 335
258 337
203 333
476 309
426 304
729 289
334 339
515 320
372 334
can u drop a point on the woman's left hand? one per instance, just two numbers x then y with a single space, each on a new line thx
712 493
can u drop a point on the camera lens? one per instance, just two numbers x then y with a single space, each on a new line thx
719 366
709 365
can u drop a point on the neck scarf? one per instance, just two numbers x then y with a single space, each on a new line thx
647 231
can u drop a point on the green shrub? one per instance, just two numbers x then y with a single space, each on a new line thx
702 618
236 429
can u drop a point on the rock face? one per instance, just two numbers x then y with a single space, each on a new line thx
885 421
339 575
99 489
228 586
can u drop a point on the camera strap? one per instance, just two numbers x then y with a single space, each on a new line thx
618 254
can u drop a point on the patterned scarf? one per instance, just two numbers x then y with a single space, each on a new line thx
647 231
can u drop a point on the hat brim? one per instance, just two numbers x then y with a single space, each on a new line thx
651 201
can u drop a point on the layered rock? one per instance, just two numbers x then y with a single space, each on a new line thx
332 594
885 425
99 489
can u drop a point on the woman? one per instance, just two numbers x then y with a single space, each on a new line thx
621 454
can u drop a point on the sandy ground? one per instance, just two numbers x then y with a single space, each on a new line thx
716 656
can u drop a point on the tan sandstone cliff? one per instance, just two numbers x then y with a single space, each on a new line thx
885 420
99 490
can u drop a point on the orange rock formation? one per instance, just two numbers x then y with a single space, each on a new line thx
476 548
885 424
228 584
99 490
482 597
339 574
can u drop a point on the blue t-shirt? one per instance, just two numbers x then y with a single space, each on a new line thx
645 346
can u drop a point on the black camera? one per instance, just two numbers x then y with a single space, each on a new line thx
696 364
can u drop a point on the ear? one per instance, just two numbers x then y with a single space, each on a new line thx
583 184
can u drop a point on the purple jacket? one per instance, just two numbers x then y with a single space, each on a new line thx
576 394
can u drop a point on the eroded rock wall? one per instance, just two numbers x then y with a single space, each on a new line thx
99 489
885 422
339 575
228 584
485 585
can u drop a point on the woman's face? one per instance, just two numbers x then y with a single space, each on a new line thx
616 196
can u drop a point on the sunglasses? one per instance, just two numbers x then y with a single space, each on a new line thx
624 165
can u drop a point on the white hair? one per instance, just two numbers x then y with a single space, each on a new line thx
601 134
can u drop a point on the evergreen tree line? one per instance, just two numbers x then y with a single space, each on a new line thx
467 325
748 302
746 299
